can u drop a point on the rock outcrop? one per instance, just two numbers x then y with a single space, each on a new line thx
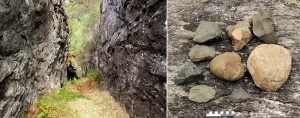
132 54
33 52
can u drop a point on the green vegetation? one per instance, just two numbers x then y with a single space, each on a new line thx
83 15
78 82
94 73
54 104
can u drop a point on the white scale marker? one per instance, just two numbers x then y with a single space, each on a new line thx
221 114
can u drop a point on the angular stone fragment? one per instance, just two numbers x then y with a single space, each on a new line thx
269 66
227 66
240 37
201 52
189 74
239 95
207 31
201 93
263 26
240 34
229 30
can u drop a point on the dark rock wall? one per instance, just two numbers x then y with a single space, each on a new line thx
90 52
33 52
132 54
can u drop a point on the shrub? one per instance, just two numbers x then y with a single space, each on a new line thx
93 73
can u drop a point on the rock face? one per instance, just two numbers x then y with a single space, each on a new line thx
227 66
132 54
263 26
90 54
239 95
207 31
269 66
201 93
33 52
189 74
201 52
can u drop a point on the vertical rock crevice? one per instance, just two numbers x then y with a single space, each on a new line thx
33 52
132 54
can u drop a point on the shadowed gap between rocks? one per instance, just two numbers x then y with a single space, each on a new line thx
71 72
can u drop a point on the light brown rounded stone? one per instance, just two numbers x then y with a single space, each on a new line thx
269 66
227 66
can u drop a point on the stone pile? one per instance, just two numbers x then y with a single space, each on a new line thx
268 64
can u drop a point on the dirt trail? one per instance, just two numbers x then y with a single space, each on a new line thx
97 104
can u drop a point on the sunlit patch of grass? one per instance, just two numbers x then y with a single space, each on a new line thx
53 105
78 82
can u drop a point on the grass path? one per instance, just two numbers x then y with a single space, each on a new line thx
97 104
79 98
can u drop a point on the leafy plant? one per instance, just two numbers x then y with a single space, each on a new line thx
94 73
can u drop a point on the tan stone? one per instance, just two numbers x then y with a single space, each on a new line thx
269 66
227 66
240 34
229 30
240 38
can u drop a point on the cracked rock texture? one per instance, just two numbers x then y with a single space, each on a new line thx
132 54
184 17
33 52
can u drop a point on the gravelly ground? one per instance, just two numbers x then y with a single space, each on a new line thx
185 15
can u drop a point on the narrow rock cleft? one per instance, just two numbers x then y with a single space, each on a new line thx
71 72
131 53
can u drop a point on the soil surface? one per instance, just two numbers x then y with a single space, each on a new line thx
184 16
97 103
